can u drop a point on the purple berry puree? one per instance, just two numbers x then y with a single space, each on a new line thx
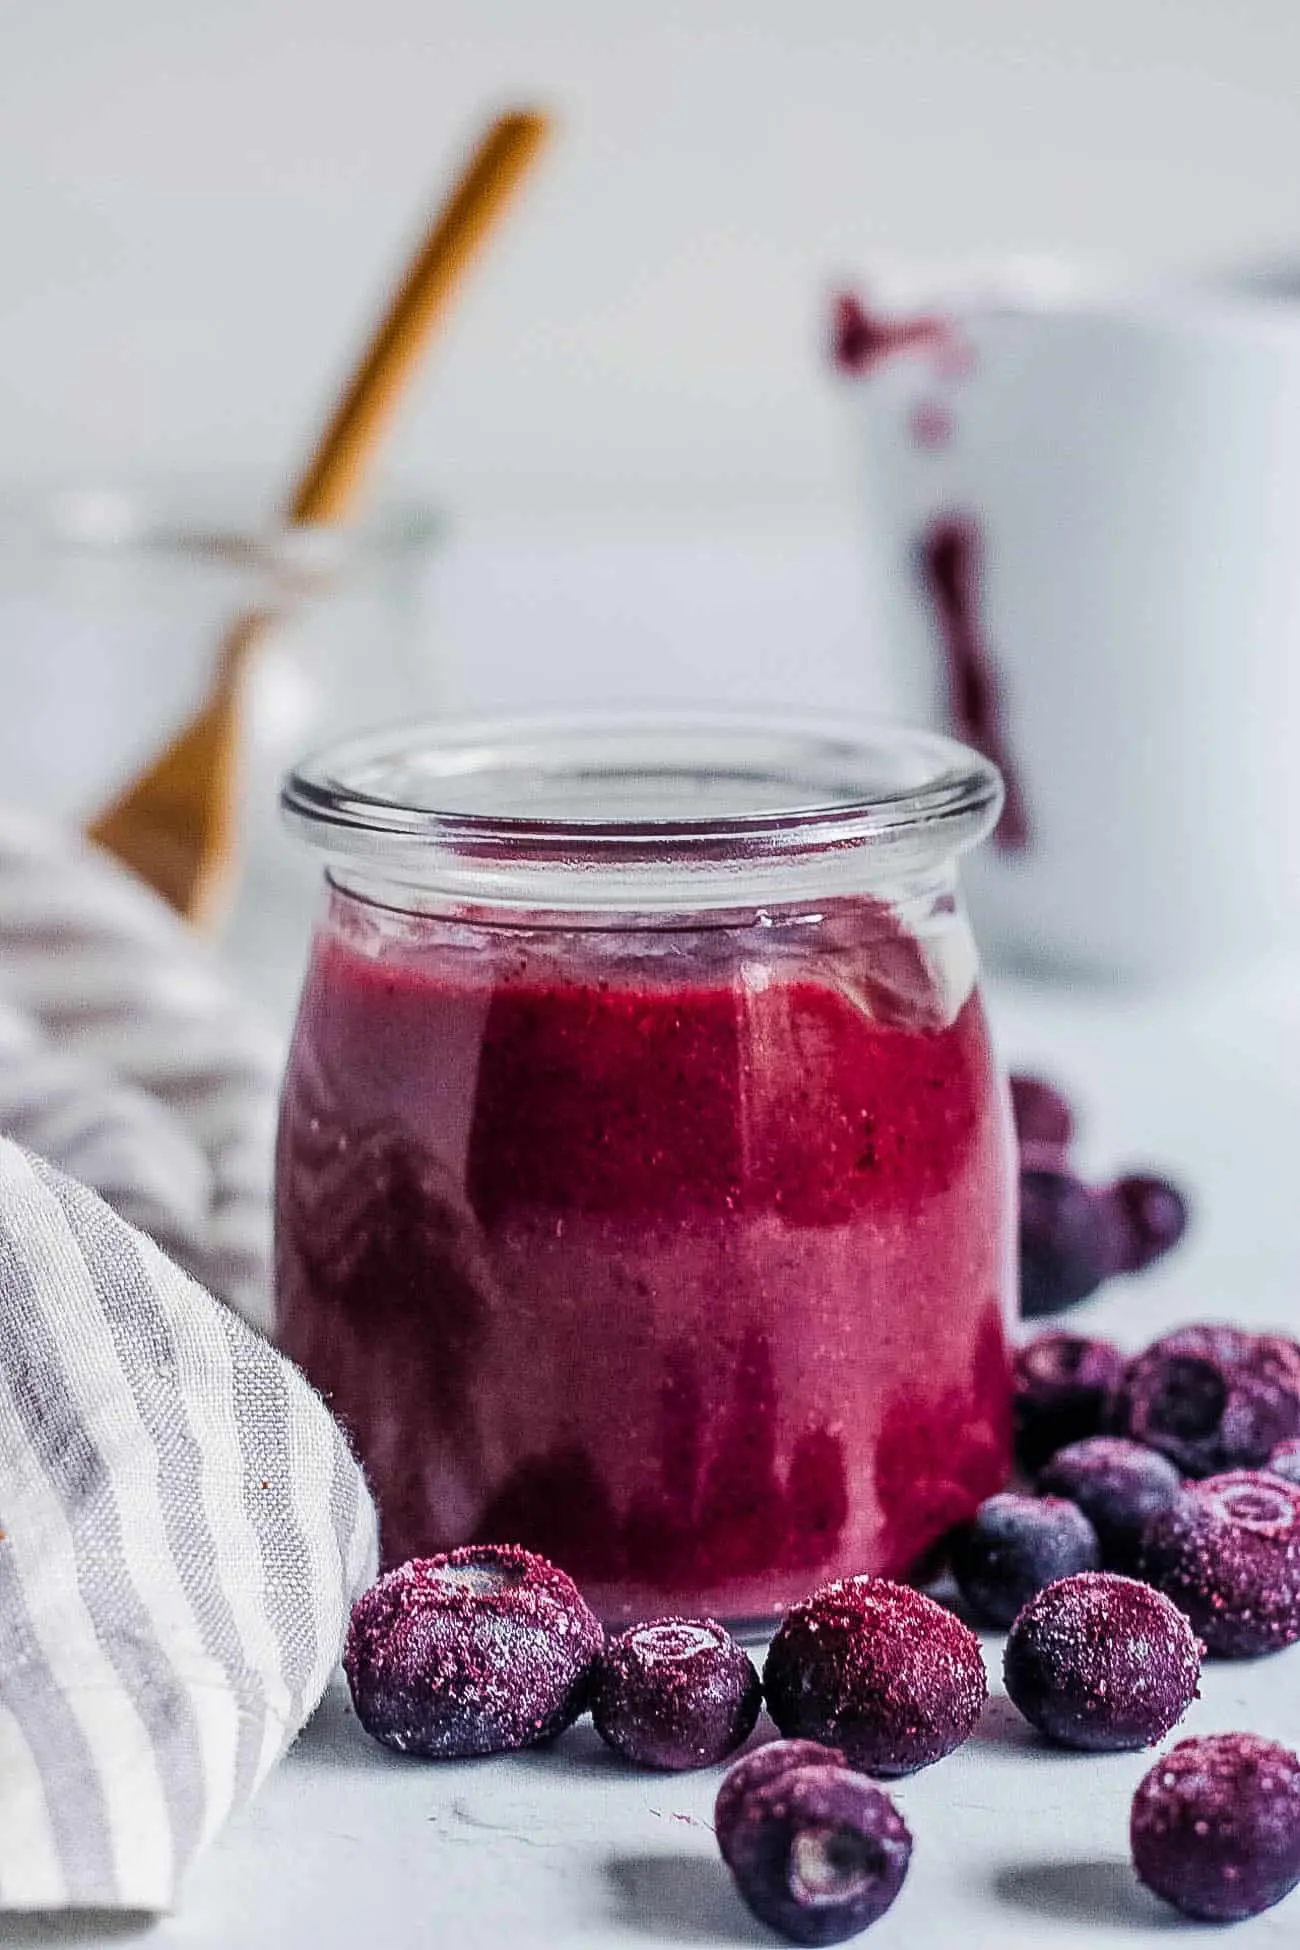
683 1268
951 563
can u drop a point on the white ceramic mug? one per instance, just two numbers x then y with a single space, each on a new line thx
1115 471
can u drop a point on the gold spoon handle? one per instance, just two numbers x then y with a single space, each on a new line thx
332 484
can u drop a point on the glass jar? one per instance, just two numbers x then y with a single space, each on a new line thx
114 603
644 1188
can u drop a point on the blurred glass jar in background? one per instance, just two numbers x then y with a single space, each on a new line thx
114 602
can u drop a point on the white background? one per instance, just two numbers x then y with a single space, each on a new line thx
648 470
200 201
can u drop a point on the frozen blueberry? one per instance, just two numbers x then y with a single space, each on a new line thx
479 1651
1285 1460
676 1693
818 1853
1228 1554
1065 1387
1016 1545
1101 1662
1042 1115
1119 1486
1067 1243
878 1670
1152 1217
1215 1827
1213 1398
1278 1357
755 1769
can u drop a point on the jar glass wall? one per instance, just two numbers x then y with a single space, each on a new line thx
644 1189
115 600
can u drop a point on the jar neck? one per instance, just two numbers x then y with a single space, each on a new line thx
912 935
910 902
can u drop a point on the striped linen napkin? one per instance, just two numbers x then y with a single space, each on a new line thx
126 1060
184 1530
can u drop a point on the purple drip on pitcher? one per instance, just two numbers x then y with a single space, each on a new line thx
862 340
930 424
950 551
951 570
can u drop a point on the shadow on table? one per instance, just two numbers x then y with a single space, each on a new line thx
685 1898
1099 1891
35 1928
333 1738
1007 1731
1000 1725
578 1750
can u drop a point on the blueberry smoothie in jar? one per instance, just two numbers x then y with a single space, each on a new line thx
644 1193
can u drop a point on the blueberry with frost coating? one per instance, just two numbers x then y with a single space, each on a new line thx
1015 1545
1102 1663
878 1670
1042 1115
1228 1554
479 1651
1153 1216
1215 1826
1064 1387
1213 1398
1119 1486
1067 1240
675 1693
754 1769
818 1853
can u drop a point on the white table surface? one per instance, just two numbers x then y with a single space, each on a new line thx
1016 1844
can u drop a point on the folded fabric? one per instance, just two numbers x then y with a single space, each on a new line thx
184 1531
125 1059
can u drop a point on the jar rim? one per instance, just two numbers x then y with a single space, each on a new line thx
225 518
636 807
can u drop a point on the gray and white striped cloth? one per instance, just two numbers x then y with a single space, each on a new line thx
184 1530
126 1059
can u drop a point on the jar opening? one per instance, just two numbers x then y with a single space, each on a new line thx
642 809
